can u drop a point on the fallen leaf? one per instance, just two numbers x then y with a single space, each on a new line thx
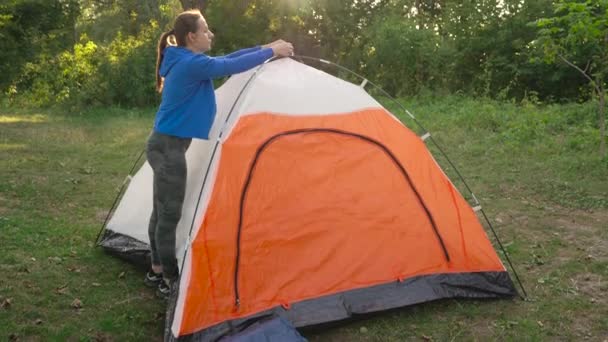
55 259
427 338
62 289
96 284
33 259
101 337
38 321
77 304
363 330
121 275
6 303
540 324
87 170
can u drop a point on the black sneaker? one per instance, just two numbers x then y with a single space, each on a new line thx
163 290
153 279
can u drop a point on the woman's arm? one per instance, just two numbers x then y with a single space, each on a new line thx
252 49
205 67
241 52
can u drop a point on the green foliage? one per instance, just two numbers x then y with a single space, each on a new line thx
60 78
577 35
102 21
406 58
121 73
519 141
578 32
31 28
112 63
126 76
409 47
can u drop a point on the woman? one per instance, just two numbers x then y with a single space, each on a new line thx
184 77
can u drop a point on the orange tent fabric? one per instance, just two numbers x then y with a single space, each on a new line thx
322 210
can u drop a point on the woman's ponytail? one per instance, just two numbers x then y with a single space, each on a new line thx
184 23
162 44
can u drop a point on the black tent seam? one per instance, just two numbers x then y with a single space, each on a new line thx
273 138
436 145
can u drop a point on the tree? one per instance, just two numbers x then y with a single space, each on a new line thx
30 28
578 36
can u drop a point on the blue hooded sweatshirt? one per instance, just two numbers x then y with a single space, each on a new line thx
187 109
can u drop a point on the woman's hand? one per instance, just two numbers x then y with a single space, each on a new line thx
269 45
282 48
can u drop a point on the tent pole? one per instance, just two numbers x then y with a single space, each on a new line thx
213 156
436 145
506 255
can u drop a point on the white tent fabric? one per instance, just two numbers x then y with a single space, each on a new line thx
283 86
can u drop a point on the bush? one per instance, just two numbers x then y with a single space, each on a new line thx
58 79
407 60
126 77
121 73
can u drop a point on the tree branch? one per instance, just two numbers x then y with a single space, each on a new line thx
587 66
597 89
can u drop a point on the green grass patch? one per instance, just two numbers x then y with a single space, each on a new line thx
535 169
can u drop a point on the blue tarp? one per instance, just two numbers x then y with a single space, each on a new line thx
275 329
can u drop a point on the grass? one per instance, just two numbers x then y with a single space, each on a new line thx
534 168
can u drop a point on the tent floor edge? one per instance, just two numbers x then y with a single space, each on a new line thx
170 313
126 248
354 303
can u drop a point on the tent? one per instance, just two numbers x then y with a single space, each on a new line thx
311 202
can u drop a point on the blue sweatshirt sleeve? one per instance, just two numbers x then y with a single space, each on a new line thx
205 67
242 52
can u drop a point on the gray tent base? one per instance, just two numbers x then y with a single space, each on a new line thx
349 304
331 308
126 248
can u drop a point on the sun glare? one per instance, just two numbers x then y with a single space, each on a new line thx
37 118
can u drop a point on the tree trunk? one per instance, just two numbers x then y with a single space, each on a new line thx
598 86
602 114
419 67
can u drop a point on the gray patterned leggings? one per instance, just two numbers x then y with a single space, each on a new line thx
167 157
